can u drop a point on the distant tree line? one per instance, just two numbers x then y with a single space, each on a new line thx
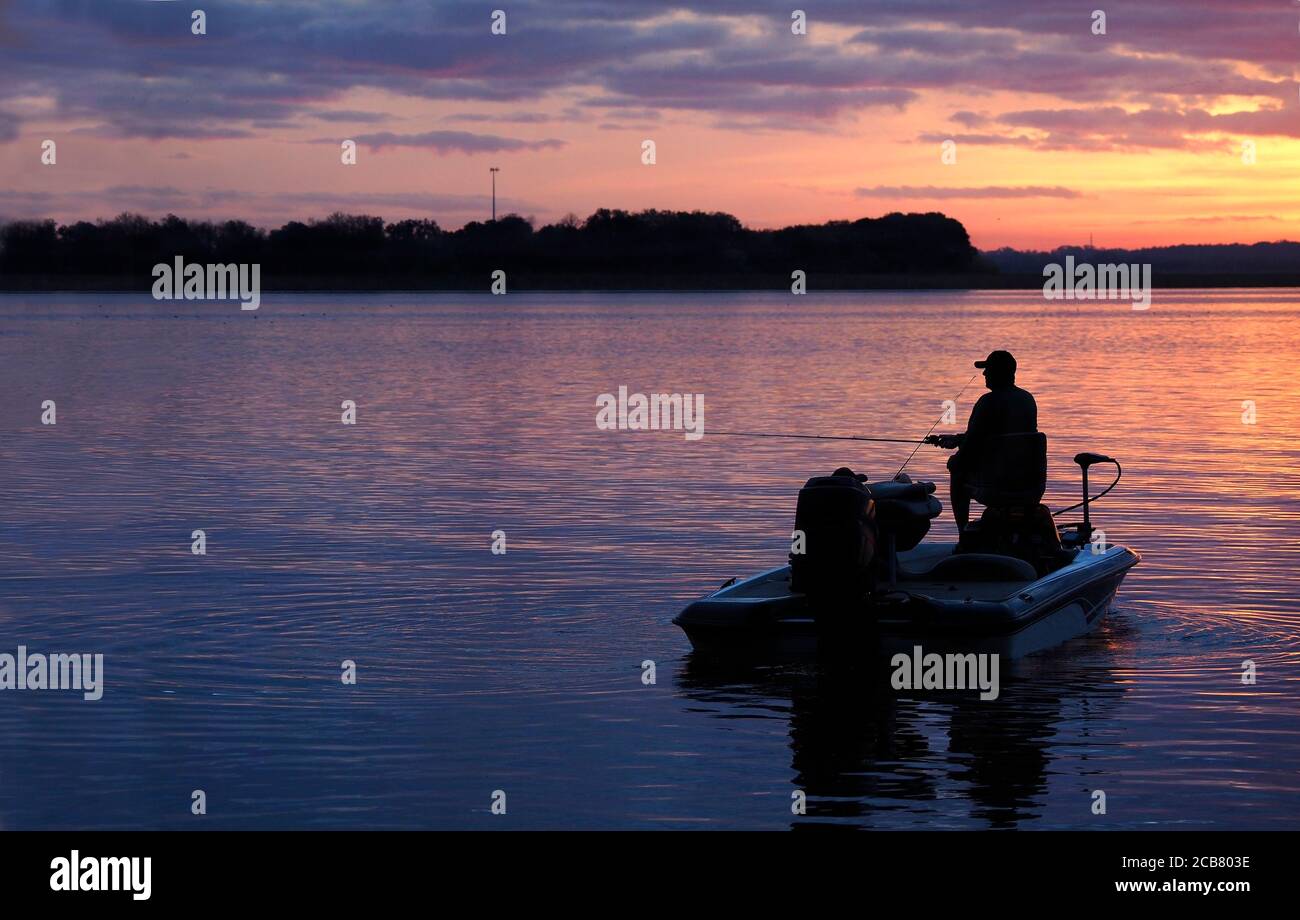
647 244
1278 258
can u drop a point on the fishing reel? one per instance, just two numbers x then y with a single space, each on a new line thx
946 441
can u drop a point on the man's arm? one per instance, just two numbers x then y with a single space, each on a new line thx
976 422
976 428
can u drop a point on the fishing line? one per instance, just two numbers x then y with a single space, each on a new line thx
817 437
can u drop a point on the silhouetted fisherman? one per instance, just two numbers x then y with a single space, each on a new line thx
1005 409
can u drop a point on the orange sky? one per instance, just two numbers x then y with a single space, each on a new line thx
1135 136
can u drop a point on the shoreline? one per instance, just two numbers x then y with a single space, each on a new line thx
570 283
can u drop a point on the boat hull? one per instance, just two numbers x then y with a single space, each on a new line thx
762 614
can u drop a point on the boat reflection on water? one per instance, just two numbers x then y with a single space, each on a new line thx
869 756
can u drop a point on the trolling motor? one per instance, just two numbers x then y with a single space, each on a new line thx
1085 460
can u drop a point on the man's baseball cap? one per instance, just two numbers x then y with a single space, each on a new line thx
999 360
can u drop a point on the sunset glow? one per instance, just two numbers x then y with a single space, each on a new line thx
1135 136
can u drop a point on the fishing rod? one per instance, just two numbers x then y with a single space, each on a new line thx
1088 499
934 426
845 437
816 437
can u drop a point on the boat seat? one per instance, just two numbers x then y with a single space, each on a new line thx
1012 471
981 567
905 510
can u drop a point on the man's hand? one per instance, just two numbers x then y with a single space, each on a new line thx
946 441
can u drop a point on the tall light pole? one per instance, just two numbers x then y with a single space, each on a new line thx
494 170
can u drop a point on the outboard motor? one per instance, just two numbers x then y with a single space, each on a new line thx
852 532
837 518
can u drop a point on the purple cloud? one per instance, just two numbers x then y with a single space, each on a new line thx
455 142
266 209
134 69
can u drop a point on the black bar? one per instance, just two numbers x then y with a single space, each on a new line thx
335 869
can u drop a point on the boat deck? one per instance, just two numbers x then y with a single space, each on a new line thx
964 590
913 567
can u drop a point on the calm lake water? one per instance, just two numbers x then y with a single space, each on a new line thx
522 672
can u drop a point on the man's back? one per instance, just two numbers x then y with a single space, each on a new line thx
1003 410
